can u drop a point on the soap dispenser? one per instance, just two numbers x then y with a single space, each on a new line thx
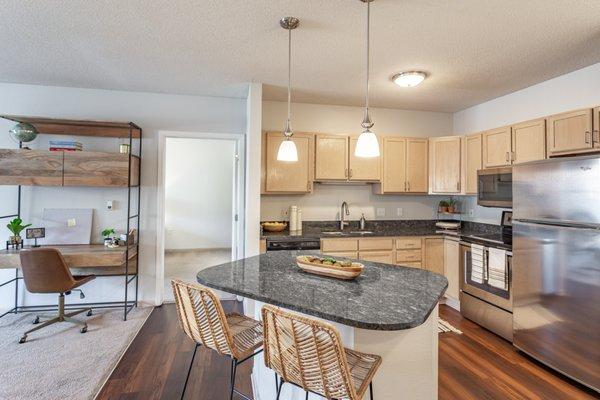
362 222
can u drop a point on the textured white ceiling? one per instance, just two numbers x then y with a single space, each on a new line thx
474 50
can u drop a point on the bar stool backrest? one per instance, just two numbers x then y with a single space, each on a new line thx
306 352
202 317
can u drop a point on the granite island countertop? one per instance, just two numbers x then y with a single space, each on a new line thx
384 297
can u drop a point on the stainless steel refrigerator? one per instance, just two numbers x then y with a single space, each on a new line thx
556 265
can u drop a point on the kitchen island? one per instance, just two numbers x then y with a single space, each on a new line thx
389 310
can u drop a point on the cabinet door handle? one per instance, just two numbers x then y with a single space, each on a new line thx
346 172
405 186
350 173
596 136
513 156
408 186
587 137
507 157
458 186
308 186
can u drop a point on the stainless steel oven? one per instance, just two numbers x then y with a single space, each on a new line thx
483 303
494 187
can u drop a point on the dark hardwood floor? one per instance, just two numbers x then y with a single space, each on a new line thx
475 365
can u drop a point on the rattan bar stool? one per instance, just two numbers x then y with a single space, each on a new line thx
309 354
203 319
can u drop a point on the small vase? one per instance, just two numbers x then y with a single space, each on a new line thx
451 209
15 239
107 241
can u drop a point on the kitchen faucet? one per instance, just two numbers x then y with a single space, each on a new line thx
343 210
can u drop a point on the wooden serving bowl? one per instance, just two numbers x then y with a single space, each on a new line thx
332 271
274 226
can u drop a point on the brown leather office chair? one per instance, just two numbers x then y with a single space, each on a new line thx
45 271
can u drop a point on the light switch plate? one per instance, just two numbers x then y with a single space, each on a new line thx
71 222
381 212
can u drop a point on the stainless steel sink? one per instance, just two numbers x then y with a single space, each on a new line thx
333 233
340 233
361 232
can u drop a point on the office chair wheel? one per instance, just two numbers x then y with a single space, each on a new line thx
36 320
89 313
23 339
84 329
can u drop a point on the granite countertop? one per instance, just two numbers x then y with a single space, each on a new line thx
469 232
384 297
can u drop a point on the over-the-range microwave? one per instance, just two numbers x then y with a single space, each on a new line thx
494 187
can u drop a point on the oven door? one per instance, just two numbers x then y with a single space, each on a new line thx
498 297
494 187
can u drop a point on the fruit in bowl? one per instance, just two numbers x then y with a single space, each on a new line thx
274 226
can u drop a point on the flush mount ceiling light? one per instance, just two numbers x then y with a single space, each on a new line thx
367 144
287 149
409 78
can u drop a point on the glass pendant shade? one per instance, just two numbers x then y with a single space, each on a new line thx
367 145
287 151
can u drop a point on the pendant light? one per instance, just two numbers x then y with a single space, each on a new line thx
367 144
287 148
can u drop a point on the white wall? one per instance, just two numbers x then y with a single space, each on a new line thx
574 90
198 193
253 168
153 112
325 201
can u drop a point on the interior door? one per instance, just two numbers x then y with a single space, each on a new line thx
416 166
556 284
363 168
394 165
331 157
497 148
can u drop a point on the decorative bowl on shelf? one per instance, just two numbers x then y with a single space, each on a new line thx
274 226
327 266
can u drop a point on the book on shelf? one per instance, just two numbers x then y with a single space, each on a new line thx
63 149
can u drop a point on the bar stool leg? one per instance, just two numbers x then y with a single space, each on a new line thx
189 371
371 390
233 370
306 397
279 388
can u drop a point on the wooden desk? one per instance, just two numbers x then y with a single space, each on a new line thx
83 258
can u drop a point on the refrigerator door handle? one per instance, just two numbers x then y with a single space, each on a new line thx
553 222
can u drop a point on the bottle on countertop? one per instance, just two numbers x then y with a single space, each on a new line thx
293 218
363 222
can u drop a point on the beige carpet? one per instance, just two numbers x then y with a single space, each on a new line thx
185 264
59 362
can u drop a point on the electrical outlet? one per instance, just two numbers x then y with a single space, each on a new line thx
110 205
381 212
400 211
71 222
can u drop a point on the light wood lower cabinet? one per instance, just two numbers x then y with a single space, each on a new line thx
343 254
451 267
386 257
287 177
262 246
382 243
408 256
361 168
331 157
497 147
445 165
570 133
339 245
434 255
473 162
528 141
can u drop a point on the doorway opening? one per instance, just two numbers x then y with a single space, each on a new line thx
201 205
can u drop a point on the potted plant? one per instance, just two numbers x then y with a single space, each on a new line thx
108 236
443 206
16 227
451 205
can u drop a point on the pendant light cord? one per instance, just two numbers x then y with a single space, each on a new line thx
289 110
368 61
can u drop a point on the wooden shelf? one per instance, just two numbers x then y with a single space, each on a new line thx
63 168
79 128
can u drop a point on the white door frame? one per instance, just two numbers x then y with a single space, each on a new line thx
238 198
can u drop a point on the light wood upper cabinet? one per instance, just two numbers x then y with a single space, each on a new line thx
331 157
596 127
496 147
416 166
394 165
473 162
445 165
434 255
362 168
529 141
570 133
288 177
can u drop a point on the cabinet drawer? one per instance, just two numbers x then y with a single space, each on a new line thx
329 245
344 254
408 255
386 257
376 244
408 243
412 264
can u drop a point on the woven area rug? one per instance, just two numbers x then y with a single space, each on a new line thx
59 362
444 326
